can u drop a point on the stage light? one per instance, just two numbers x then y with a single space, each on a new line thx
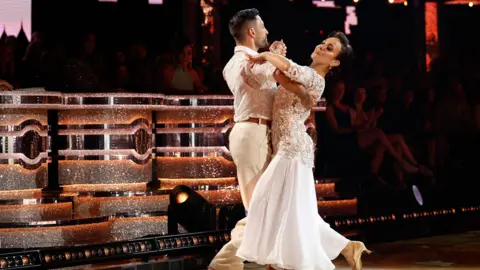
470 4
405 3
181 197
417 194
391 1
190 210
355 1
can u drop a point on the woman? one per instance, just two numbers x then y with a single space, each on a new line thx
368 135
345 127
183 77
284 228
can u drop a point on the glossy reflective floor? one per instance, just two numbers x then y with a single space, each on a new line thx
460 251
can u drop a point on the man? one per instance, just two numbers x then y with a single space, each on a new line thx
253 88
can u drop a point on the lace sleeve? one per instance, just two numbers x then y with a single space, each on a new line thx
307 77
301 74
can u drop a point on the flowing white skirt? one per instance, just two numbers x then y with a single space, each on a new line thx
283 225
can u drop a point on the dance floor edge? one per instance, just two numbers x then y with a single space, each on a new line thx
460 251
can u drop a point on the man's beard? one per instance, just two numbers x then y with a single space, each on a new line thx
262 44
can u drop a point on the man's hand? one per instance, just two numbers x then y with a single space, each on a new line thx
278 47
314 96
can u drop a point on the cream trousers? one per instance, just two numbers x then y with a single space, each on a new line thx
251 153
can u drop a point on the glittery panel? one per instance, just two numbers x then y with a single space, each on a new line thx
222 181
168 137
20 194
113 95
89 207
222 196
212 151
118 131
325 189
32 92
194 167
40 130
108 155
35 212
187 114
55 236
15 117
136 227
337 207
103 172
140 187
217 98
204 130
14 177
106 116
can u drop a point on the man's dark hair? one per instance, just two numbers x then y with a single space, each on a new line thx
239 20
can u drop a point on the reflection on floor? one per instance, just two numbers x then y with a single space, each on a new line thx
460 251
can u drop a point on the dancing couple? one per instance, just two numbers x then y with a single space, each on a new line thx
284 229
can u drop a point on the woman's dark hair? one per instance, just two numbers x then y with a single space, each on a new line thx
345 56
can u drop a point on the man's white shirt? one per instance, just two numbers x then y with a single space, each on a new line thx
253 87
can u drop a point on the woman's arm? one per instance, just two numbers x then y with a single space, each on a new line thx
197 82
301 74
333 124
309 98
278 61
360 120
168 77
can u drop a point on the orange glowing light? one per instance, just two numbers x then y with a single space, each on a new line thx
181 197
431 32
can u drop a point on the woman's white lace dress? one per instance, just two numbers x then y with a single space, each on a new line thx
283 226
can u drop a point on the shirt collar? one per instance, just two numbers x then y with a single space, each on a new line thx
245 49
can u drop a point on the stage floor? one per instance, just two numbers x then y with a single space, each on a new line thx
460 251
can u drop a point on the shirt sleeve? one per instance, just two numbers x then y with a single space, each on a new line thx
263 72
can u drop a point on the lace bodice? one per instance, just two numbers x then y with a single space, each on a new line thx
289 134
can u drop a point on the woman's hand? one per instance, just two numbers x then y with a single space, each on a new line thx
258 59
377 113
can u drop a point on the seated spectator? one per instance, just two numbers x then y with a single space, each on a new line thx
181 77
367 120
453 123
345 135
121 77
141 70
5 86
7 64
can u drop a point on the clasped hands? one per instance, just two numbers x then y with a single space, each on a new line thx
277 47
